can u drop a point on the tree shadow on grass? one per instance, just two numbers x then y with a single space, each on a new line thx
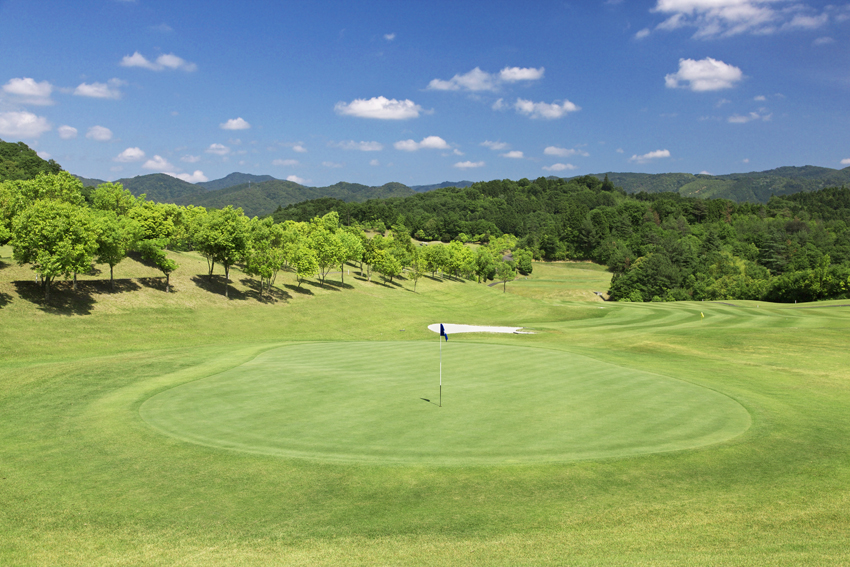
155 283
5 299
272 295
338 285
63 299
298 290
216 286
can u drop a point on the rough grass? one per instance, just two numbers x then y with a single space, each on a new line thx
85 480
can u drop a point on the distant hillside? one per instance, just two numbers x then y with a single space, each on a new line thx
755 187
233 180
19 161
260 199
424 188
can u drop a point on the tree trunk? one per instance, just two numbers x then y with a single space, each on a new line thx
342 272
111 279
46 289
167 283
74 286
226 279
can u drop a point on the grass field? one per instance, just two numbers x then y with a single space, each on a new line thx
107 457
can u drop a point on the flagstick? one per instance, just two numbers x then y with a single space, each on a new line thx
441 371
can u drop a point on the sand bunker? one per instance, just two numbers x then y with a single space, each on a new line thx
452 328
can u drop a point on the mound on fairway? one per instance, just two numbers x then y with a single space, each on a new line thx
366 402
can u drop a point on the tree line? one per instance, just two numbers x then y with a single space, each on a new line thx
61 229
658 246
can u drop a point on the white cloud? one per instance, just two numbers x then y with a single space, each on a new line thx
721 102
218 149
704 172
108 89
165 61
28 91
743 119
760 98
514 154
559 167
642 33
299 148
296 179
457 152
285 162
374 162
545 110
235 124
196 177
67 132
360 146
430 142
99 134
331 164
823 41
130 154
158 163
620 150
478 80
514 74
495 146
380 108
845 161
500 104
564 152
803 21
645 158
475 80
724 18
704 75
746 160
469 164
139 60
171 61
44 155
190 159
389 36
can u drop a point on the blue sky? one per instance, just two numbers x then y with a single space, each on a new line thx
424 92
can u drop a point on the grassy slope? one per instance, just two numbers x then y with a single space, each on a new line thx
83 480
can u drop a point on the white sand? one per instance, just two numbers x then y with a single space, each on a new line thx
452 328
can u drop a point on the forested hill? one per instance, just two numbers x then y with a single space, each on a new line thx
19 161
234 179
659 246
256 199
753 187
261 199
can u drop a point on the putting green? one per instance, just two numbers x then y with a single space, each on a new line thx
362 402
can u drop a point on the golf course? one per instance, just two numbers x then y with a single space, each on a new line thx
308 426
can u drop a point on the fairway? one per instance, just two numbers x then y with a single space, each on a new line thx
363 402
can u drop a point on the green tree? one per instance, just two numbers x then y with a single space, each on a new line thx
113 197
116 235
485 265
387 265
352 249
154 250
266 256
56 238
417 265
523 259
505 272
222 235
304 262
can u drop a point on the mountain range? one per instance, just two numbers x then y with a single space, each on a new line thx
262 194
